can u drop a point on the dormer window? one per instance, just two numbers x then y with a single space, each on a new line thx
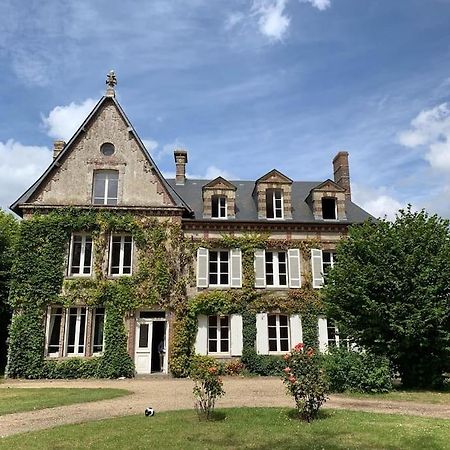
274 203
219 207
106 183
329 211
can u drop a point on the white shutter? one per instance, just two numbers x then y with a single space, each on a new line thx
236 267
262 334
236 334
323 334
202 267
260 268
294 268
296 330
316 265
201 342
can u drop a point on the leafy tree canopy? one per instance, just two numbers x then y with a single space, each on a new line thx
390 291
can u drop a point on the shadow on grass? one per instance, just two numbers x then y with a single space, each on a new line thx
215 416
323 415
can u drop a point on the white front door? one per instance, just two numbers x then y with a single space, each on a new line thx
143 360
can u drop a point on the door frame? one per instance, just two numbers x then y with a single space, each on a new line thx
150 321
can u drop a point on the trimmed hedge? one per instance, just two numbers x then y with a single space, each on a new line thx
357 371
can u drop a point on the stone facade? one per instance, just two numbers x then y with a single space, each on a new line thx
219 187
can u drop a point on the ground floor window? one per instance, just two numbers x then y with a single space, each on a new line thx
218 334
278 332
67 331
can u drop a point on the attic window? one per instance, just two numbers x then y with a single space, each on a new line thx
329 208
219 207
274 203
107 149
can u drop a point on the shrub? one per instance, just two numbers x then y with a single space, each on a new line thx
305 381
72 368
357 371
265 365
208 386
233 367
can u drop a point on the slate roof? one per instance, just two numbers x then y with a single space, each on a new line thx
246 208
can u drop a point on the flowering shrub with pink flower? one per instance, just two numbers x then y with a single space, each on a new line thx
208 388
305 381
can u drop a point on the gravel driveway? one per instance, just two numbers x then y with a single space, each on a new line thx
163 394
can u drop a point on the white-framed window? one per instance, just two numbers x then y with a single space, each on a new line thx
105 187
218 335
219 267
274 203
98 323
54 324
329 208
75 342
328 261
81 255
277 268
219 207
278 332
121 254
330 336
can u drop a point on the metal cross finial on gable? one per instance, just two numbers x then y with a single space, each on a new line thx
111 81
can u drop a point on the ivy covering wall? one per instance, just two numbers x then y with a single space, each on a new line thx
163 273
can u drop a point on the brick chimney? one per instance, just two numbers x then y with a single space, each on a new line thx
342 173
181 160
57 147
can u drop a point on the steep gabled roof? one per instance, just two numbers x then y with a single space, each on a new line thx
57 161
274 173
323 186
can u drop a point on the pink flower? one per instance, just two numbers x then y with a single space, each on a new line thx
212 370
287 369
310 352
292 379
286 356
299 347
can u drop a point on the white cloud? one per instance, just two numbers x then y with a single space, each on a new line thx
272 20
20 165
63 121
377 202
214 172
430 130
234 19
150 144
322 5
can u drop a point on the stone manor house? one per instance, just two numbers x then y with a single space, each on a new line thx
105 166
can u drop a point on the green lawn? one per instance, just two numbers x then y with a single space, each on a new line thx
435 397
28 399
262 428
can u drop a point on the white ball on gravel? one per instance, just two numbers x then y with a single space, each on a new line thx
149 412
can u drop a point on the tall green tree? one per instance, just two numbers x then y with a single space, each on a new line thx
390 290
8 233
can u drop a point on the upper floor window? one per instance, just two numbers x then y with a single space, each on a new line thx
328 261
106 183
218 334
219 207
121 252
80 263
274 203
278 330
276 269
107 149
329 211
219 268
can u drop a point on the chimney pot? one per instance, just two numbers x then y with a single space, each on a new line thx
342 172
181 160
57 148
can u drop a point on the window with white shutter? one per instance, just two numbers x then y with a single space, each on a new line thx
236 335
201 341
202 267
294 268
260 268
316 266
236 267
219 268
262 339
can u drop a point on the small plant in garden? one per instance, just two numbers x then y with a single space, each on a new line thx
208 388
305 381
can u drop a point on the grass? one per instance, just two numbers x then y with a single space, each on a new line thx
261 428
435 397
28 399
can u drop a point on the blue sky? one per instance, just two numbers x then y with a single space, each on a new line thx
244 85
